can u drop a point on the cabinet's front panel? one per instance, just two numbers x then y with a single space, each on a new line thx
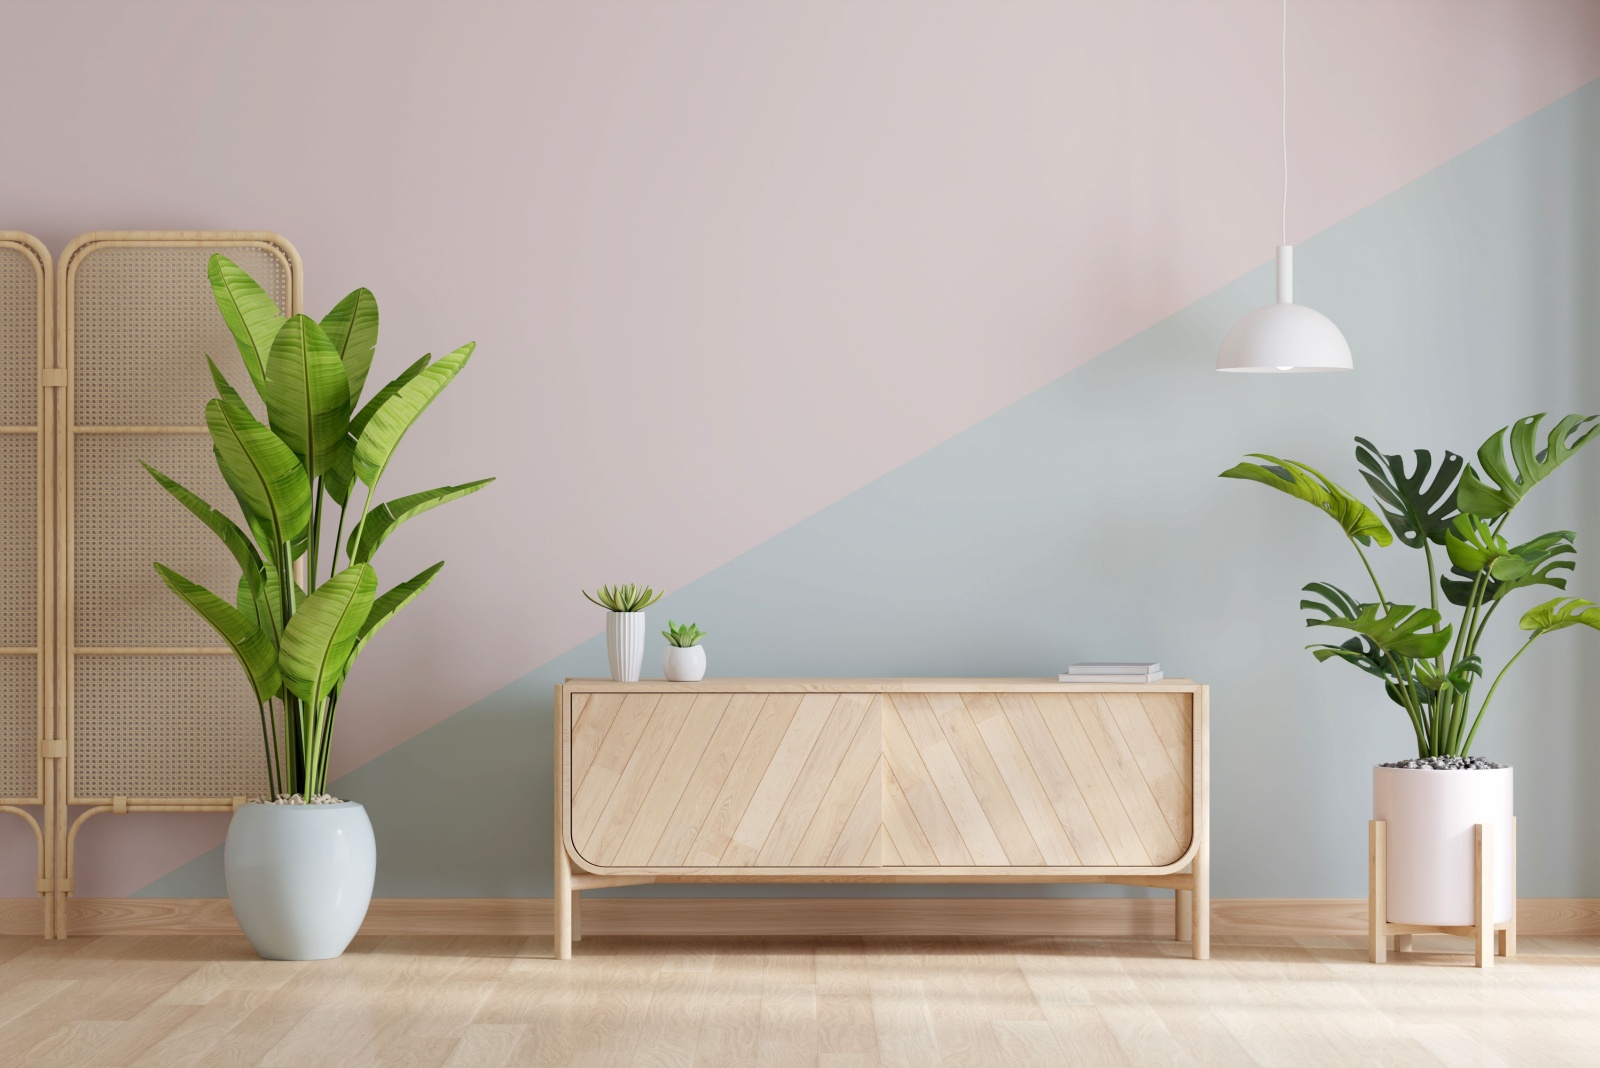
1037 779
725 780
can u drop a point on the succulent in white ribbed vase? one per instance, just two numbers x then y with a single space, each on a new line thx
625 607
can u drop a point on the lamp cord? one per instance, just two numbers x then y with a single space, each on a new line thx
1283 87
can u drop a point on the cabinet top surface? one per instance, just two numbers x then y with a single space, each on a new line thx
895 685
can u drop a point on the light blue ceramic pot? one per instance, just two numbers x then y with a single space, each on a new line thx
300 877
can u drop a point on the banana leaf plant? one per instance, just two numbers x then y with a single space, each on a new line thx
298 619
1430 667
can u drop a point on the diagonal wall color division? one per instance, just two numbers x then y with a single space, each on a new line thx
1085 521
795 244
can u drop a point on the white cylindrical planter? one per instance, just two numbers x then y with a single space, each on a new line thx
1431 816
300 877
625 645
687 664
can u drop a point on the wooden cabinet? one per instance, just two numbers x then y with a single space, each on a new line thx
882 780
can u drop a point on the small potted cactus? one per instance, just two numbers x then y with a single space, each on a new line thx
625 607
685 658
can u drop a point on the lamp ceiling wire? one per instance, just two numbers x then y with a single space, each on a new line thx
1283 91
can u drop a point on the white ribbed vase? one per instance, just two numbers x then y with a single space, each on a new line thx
1431 816
625 645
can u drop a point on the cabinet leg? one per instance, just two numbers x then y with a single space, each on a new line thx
1200 906
1483 935
1377 891
577 915
1182 915
561 905
1402 943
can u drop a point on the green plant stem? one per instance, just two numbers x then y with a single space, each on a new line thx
1409 704
1467 746
314 542
266 751
1382 600
338 539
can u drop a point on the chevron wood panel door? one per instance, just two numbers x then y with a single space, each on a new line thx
725 780
1025 780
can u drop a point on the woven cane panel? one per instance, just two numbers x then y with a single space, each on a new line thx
19 540
123 520
164 726
19 337
19 729
143 321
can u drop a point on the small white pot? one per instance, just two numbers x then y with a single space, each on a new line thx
300 877
687 664
625 645
1431 816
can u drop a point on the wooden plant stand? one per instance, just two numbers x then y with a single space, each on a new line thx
1482 932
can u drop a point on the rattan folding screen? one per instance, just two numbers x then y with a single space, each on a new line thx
138 709
30 726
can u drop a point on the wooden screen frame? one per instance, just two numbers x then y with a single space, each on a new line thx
63 837
48 733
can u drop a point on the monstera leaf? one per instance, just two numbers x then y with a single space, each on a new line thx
1559 614
1473 547
1418 510
1307 484
1402 630
1543 556
1334 603
1476 497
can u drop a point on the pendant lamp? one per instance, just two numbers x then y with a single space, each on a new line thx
1284 336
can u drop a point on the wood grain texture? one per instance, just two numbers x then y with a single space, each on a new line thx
794 916
487 1000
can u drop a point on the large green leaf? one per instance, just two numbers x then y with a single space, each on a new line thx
359 421
1402 630
380 437
1416 509
1540 559
308 397
318 641
1309 485
265 603
1474 547
1559 614
252 317
1331 602
352 326
236 540
382 520
253 648
1478 498
260 468
389 605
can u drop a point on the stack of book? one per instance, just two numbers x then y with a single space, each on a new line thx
1103 673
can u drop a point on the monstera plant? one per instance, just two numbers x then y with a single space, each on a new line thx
1429 667
306 605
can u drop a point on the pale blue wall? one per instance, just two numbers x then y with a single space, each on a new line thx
1086 521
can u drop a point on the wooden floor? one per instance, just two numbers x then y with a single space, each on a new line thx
482 1001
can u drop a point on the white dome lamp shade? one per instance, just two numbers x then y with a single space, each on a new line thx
1284 336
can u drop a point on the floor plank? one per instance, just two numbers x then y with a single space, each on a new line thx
488 1002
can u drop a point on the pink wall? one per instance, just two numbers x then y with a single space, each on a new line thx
725 262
